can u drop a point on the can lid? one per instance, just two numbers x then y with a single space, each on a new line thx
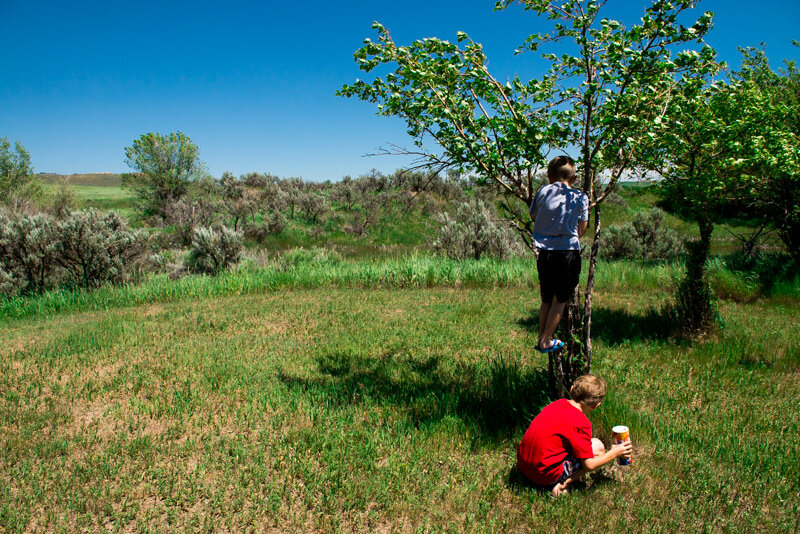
619 429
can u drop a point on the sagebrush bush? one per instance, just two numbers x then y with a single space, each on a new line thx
84 248
28 249
646 237
258 231
186 214
94 248
474 233
214 249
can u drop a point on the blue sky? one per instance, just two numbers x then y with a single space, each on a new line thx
253 83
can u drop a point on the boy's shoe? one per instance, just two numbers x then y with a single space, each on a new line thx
557 345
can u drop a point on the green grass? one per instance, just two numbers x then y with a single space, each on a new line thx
331 405
100 197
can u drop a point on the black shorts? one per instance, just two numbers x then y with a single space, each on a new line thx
559 271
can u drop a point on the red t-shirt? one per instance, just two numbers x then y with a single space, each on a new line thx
560 429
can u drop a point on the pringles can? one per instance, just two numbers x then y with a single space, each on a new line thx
622 433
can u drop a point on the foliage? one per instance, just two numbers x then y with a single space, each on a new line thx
214 249
84 249
28 251
64 199
18 183
258 231
603 97
95 248
646 237
474 233
165 165
772 154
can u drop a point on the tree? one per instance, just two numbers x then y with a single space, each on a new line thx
17 180
165 165
775 149
603 98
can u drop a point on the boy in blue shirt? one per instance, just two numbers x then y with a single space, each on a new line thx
561 215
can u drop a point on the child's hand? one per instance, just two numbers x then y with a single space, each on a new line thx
622 449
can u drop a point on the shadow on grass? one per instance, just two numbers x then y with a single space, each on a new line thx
617 326
496 396
591 482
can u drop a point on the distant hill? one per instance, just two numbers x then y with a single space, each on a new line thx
106 179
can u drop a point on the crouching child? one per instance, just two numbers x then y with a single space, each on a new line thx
558 448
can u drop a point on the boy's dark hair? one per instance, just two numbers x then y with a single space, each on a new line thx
588 389
561 168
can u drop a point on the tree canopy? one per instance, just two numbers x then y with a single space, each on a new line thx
165 165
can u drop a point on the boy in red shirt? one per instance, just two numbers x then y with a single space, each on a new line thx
558 447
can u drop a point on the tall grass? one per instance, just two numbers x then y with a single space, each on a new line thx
656 279
412 272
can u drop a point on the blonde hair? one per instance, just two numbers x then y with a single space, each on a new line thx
561 168
588 389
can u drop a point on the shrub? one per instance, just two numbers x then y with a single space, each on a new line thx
214 249
63 201
646 237
94 248
473 233
258 231
28 251
186 214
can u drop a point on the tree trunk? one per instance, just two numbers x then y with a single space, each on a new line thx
587 303
693 299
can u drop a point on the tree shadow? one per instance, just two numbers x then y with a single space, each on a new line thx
618 326
517 482
497 396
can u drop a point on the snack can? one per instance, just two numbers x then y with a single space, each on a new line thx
622 433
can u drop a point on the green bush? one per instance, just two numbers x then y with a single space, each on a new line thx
258 231
28 251
474 233
646 237
85 249
214 249
94 248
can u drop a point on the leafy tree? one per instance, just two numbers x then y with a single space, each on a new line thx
165 165
17 180
602 95
773 156
705 146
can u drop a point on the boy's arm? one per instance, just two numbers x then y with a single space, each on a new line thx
582 226
590 464
616 450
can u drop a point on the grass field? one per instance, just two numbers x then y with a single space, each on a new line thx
332 404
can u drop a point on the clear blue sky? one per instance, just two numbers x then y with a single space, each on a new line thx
252 83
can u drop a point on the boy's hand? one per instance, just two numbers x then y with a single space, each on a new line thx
622 449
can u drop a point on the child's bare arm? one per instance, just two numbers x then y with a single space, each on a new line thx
582 227
616 450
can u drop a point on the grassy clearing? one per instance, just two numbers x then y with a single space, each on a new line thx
101 197
354 409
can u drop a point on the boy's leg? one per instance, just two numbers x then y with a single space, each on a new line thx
598 449
548 321
544 311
